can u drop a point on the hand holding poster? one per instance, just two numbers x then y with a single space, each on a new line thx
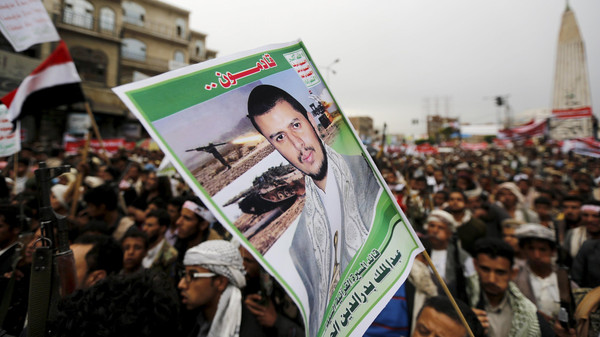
260 139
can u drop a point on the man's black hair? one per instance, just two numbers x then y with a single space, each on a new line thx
163 217
542 201
10 213
443 305
177 201
569 197
264 97
106 253
142 304
102 195
158 202
113 172
494 247
134 232
465 199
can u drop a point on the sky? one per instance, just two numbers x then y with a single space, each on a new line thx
397 58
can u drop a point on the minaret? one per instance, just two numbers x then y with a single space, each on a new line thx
571 84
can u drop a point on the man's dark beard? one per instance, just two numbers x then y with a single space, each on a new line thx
322 173
455 211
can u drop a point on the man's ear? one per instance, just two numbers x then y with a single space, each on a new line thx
202 226
94 277
221 282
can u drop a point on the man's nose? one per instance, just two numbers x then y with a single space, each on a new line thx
297 141
493 277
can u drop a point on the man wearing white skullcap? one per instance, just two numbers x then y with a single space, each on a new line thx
214 274
450 260
512 200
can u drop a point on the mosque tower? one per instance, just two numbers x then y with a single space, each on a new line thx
571 97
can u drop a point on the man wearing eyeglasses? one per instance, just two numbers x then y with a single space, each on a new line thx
211 282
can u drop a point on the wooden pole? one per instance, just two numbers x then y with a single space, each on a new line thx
95 127
15 168
79 179
447 291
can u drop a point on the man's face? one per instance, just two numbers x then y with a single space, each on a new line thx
7 234
250 264
508 235
475 202
506 197
151 183
523 186
173 213
134 252
153 229
188 225
543 211
96 211
538 253
432 323
456 202
439 176
295 138
439 199
494 274
591 220
81 266
439 234
199 292
572 210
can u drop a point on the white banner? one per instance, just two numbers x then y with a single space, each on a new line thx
570 128
10 142
25 23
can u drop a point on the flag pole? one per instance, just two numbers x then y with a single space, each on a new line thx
447 291
15 168
95 126
79 179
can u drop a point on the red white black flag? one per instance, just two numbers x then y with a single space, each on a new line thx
54 82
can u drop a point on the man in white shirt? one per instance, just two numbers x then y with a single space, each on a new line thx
537 279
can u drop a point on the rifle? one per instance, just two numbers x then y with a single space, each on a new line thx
53 266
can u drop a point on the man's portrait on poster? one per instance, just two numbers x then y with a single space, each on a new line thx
341 191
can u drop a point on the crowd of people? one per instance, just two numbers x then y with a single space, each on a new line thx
513 234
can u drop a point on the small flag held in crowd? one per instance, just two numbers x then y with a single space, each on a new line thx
54 82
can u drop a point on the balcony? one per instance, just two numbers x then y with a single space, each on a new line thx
86 23
155 29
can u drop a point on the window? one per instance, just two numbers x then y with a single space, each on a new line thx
91 64
180 25
107 19
79 13
179 56
133 13
133 49
199 48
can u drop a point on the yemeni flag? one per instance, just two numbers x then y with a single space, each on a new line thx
54 82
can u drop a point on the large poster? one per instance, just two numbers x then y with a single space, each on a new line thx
263 142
